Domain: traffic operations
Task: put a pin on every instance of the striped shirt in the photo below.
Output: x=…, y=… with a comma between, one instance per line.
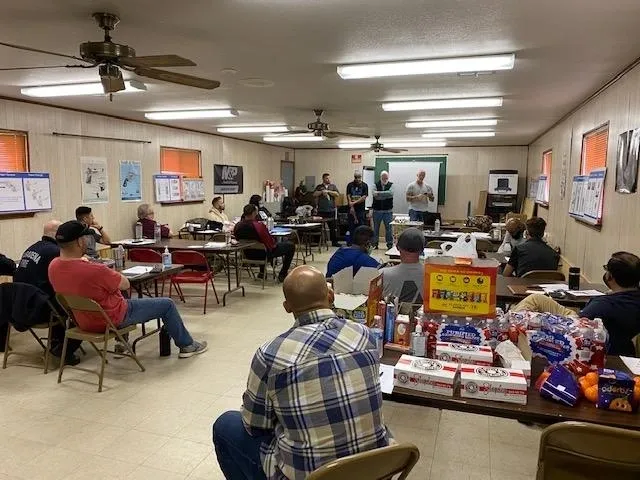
x=316, y=388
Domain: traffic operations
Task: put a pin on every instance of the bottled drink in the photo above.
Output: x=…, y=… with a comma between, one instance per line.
x=157, y=232
x=166, y=258
x=347, y=237
x=270, y=223
x=378, y=333
x=436, y=225
x=138, y=230
x=227, y=237
x=119, y=257
x=418, y=342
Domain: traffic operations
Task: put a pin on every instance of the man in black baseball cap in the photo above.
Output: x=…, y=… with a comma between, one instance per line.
x=71, y=274
x=406, y=280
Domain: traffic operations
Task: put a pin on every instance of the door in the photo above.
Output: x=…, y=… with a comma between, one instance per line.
x=287, y=172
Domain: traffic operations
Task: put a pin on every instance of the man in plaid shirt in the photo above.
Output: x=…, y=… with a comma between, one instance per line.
x=313, y=393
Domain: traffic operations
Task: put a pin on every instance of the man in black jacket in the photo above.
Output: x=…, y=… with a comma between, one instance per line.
x=383, y=209
x=7, y=267
x=33, y=268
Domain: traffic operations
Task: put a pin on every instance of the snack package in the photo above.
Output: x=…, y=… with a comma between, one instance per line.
x=402, y=330
x=425, y=375
x=561, y=386
x=511, y=357
x=460, y=333
x=463, y=353
x=616, y=391
x=493, y=383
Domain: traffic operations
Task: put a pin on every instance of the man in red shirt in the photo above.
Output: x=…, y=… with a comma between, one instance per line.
x=71, y=274
x=249, y=228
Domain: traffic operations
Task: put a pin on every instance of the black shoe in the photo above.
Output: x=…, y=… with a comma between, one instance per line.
x=260, y=275
x=72, y=359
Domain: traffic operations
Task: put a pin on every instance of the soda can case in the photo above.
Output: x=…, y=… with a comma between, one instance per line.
x=425, y=375
x=493, y=383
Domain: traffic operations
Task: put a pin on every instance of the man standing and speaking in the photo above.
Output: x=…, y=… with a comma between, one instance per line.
x=357, y=192
x=325, y=195
x=418, y=195
x=383, y=209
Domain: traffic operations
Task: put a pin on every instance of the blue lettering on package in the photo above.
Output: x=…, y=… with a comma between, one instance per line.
x=556, y=347
x=453, y=333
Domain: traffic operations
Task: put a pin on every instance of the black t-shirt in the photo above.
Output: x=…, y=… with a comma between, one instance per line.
x=620, y=313
x=356, y=192
x=33, y=267
x=534, y=254
x=7, y=266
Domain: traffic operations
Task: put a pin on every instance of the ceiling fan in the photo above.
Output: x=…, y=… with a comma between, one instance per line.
x=321, y=129
x=110, y=57
x=379, y=147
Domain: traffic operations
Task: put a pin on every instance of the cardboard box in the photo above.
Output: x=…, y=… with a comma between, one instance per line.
x=493, y=383
x=354, y=293
x=425, y=375
x=462, y=353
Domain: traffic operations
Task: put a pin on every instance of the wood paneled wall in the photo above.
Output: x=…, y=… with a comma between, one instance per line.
x=582, y=245
x=467, y=170
x=61, y=157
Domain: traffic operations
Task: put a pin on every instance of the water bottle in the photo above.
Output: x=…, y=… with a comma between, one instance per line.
x=436, y=225
x=138, y=231
x=119, y=257
x=165, y=342
x=270, y=223
x=347, y=237
x=227, y=237
x=166, y=258
x=157, y=232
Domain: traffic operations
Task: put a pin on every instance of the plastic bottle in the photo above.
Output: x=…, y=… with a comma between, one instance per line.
x=390, y=322
x=436, y=226
x=119, y=257
x=418, y=342
x=138, y=231
x=347, y=237
x=166, y=258
x=378, y=333
x=444, y=319
x=157, y=232
x=270, y=223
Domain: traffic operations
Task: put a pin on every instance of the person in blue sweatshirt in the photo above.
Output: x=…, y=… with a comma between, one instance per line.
x=356, y=256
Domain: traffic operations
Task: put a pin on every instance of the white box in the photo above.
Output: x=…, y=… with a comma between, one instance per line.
x=425, y=375
x=493, y=383
x=464, y=353
x=523, y=365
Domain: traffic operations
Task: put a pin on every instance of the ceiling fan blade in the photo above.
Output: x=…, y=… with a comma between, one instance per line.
x=157, y=61
x=179, y=78
x=394, y=150
x=52, y=66
x=294, y=132
x=345, y=134
x=37, y=50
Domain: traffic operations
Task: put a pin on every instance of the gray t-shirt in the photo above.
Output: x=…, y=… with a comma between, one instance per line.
x=326, y=203
x=404, y=281
x=91, y=241
x=415, y=189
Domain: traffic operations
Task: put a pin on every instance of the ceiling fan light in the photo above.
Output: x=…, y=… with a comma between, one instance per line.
x=442, y=104
x=485, y=122
x=424, y=67
x=77, y=89
x=192, y=114
x=292, y=138
x=458, y=134
x=255, y=129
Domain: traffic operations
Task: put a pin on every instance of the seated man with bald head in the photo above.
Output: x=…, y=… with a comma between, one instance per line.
x=313, y=393
x=33, y=268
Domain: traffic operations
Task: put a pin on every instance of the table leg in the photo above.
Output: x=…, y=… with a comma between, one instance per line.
x=237, y=287
x=146, y=333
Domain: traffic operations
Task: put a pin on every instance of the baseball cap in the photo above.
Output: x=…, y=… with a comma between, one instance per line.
x=411, y=240
x=70, y=231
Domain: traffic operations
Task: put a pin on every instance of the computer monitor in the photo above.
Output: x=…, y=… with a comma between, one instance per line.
x=430, y=219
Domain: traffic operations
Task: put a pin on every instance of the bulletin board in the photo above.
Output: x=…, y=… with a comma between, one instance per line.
x=587, y=197
x=382, y=163
x=24, y=192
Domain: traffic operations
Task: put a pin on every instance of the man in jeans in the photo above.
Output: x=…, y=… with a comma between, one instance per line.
x=72, y=274
x=325, y=195
x=383, y=209
x=418, y=195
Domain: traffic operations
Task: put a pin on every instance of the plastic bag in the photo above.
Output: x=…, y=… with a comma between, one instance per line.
x=464, y=247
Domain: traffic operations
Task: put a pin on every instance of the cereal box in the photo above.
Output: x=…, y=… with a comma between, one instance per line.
x=493, y=383
x=464, y=353
x=425, y=375
x=615, y=391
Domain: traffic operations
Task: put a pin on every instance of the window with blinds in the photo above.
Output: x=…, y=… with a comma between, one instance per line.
x=546, y=170
x=14, y=155
x=594, y=150
x=182, y=161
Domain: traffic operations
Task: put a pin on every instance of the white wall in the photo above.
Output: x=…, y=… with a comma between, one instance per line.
x=582, y=245
x=467, y=170
x=61, y=157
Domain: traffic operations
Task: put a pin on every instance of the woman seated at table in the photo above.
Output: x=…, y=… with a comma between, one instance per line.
x=514, y=236
x=619, y=309
x=146, y=217
x=263, y=213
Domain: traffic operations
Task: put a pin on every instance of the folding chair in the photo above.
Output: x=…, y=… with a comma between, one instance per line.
x=73, y=304
x=203, y=275
x=264, y=263
x=483, y=245
x=544, y=275
x=379, y=464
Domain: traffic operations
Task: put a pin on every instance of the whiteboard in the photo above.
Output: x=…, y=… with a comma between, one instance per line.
x=403, y=173
x=369, y=177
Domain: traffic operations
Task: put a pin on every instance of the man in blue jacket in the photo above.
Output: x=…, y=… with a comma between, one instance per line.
x=356, y=256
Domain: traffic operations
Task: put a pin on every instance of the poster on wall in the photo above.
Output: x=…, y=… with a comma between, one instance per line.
x=95, y=180
x=227, y=179
x=533, y=188
x=627, y=161
x=542, y=195
x=130, y=181
x=587, y=197
x=356, y=158
x=24, y=192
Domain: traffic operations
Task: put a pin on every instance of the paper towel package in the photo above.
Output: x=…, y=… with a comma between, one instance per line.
x=493, y=383
x=464, y=353
x=425, y=375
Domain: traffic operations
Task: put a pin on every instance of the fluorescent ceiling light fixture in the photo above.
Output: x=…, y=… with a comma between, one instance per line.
x=442, y=104
x=75, y=89
x=292, y=138
x=458, y=134
x=424, y=67
x=255, y=129
x=191, y=114
x=399, y=144
x=488, y=122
